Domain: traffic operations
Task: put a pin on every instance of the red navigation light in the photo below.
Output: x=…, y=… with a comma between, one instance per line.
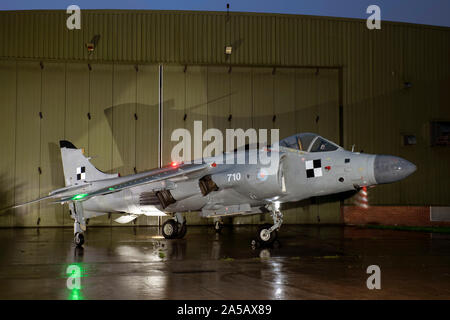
x=174, y=164
x=213, y=164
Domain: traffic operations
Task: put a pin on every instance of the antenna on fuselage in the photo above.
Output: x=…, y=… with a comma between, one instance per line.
x=353, y=148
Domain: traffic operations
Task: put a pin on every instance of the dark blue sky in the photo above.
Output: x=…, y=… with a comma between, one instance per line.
x=433, y=12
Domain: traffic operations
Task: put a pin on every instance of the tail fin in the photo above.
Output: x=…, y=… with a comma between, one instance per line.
x=78, y=168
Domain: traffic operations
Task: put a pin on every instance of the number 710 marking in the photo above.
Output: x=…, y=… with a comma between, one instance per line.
x=234, y=176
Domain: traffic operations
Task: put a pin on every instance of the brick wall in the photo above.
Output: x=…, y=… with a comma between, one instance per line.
x=390, y=215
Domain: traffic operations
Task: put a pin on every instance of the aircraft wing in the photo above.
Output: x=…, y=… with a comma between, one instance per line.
x=27, y=203
x=95, y=188
x=102, y=187
x=52, y=195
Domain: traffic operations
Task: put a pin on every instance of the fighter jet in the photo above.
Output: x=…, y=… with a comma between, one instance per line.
x=307, y=165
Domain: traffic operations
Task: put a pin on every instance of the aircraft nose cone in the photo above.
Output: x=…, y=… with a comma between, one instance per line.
x=389, y=169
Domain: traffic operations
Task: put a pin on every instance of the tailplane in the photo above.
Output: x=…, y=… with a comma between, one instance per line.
x=77, y=167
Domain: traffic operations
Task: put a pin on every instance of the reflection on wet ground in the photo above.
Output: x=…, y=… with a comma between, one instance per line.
x=308, y=262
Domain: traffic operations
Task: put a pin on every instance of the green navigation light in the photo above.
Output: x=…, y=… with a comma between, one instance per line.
x=79, y=196
x=111, y=189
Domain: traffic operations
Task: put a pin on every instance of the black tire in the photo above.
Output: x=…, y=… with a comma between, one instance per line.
x=263, y=238
x=169, y=229
x=182, y=229
x=78, y=239
x=218, y=226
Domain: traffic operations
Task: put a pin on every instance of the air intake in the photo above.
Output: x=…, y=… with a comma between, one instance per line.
x=165, y=198
x=207, y=185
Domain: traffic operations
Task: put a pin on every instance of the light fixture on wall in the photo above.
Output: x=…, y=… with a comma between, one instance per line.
x=229, y=47
x=90, y=46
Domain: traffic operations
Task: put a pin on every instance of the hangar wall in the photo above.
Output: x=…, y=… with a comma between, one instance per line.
x=371, y=69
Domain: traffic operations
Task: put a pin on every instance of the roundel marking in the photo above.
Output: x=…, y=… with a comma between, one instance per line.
x=262, y=175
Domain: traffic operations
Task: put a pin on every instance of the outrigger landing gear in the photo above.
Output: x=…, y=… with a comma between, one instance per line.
x=218, y=225
x=174, y=228
x=267, y=234
x=78, y=239
x=79, y=226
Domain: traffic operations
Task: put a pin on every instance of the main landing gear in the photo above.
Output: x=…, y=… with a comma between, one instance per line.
x=174, y=228
x=267, y=233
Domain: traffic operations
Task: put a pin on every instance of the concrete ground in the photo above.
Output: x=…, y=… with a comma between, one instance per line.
x=309, y=262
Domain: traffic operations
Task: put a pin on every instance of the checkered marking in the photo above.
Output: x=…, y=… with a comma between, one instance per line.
x=313, y=168
x=81, y=173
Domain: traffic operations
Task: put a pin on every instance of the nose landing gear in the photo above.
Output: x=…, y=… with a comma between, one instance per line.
x=264, y=235
x=267, y=233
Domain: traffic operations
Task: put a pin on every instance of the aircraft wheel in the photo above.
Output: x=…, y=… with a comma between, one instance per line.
x=169, y=229
x=264, y=237
x=218, y=226
x=78, y=239
x=182, y=229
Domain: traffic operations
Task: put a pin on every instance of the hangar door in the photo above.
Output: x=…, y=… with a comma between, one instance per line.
x=123, y=116
x=110, y=110
x=290, y=99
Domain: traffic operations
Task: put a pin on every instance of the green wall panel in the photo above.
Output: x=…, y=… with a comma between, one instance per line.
x=52, y=130
x=218, y=88
x=196, y=100
x=28, y=144
x=263, y=99
x=147, y=125
x=8, y=133
x=284, y=102
x=100, y=143
x=100, y=109
x=241, y=98
x=77, y=105
x=174, y=100
x=123, y=119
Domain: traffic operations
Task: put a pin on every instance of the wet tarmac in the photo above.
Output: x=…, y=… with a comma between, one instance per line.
x=308, y=262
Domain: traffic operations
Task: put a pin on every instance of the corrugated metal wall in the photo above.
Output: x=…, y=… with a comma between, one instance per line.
x=288, y=99
x=374, y=65
x=95, y=109
x=111, y=110
x=200, y=37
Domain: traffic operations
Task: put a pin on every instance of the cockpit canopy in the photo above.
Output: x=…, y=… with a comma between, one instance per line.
x=309, y=142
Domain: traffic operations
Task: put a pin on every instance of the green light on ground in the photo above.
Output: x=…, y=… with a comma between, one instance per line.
x=75, y=294
x=75, y=273
x=79, y=196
